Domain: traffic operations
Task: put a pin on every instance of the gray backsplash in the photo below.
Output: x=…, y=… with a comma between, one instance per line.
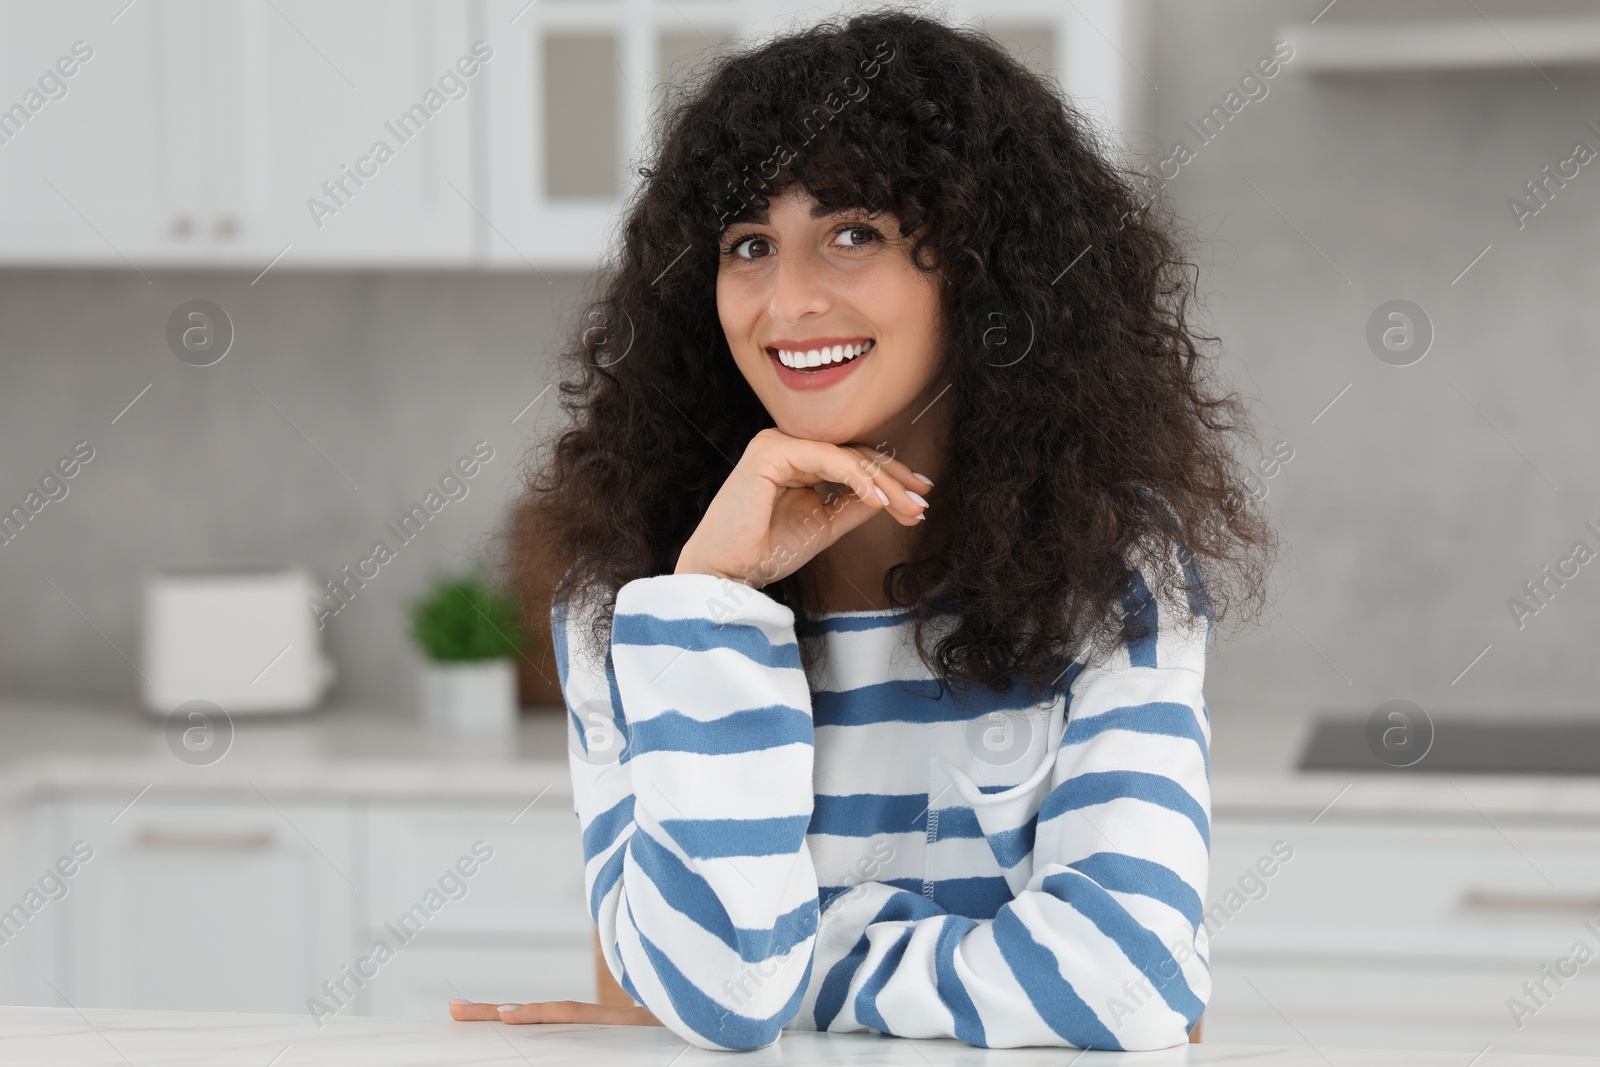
x=1414, y=506
x=343, y=401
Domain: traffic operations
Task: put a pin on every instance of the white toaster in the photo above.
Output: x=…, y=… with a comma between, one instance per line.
x=244, y=638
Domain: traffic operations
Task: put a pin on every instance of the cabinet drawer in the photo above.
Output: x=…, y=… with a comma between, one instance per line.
x=203, y=905
x=530, y=883
x=1399, y=1007
x=1413, y=889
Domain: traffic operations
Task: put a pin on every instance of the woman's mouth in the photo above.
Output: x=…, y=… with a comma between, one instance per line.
x=817, y=363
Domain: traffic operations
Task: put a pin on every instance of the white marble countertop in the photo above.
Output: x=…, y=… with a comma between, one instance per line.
x=345, y=751
x=66, y=1037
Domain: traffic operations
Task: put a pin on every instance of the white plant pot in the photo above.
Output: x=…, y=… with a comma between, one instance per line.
x=473, y=696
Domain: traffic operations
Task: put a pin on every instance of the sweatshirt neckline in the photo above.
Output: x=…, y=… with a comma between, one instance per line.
x=867, y=613
x=941, y=606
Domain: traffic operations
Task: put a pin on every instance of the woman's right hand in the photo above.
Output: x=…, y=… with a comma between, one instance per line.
x=769, y=518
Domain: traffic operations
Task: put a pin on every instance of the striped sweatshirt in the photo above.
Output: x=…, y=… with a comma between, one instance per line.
x=851, y=851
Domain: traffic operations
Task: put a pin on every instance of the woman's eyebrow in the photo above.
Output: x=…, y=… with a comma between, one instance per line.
x=762, y=216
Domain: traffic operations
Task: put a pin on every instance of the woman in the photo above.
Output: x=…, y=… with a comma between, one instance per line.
x=939, y=772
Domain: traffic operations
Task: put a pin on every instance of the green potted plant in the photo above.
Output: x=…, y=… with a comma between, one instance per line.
x=467, y=631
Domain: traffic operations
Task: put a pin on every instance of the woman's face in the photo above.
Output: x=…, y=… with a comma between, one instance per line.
x=795, y=288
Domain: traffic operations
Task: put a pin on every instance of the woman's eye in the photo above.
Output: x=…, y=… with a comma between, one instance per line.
x=735, y=247
x=860, y=235
x=856, y=236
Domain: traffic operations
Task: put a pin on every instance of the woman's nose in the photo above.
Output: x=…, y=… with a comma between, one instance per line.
x=797, y=291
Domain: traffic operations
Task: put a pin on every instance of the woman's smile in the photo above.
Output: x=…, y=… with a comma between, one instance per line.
x=818, y=362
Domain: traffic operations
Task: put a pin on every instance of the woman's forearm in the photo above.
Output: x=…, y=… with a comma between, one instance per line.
x=700, y=880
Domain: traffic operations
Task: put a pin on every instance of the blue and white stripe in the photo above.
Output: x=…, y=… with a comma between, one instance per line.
x=848, y=851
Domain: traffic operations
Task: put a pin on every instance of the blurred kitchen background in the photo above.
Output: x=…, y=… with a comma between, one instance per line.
x=1426, y=159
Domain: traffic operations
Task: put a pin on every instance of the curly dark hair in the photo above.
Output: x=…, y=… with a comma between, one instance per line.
x=1104, y=436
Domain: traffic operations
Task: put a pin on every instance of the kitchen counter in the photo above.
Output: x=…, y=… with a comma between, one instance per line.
x=416, y=791
x=65, y=1037
x=339, y=751
x=351, y=751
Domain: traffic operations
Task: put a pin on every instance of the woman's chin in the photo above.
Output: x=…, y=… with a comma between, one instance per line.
x=828, y=431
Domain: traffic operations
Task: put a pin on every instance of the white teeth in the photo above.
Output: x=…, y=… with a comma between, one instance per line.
x=818, y=357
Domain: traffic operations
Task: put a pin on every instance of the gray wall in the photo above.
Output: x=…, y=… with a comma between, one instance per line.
x=392, y=376
x=1413, y=508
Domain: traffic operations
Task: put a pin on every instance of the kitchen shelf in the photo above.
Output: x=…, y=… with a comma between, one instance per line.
x=1443, y=44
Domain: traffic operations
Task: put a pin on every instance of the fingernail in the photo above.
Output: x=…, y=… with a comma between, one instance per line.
x=458, y=1000
x=920, y=502
x=923, y=517
x=925, y=478
x=881, y=494
x=508, y=1007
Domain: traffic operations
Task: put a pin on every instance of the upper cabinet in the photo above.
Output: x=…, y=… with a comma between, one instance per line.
x=358, y=122
x=390, y=133
x=239, y=134
x=576, y=83
x=85, y=147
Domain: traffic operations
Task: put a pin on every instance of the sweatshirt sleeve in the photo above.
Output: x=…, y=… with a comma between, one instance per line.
x=1103, y=946
x=691, y=757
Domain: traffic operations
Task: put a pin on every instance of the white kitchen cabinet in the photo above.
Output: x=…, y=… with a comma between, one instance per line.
x=89, y=154
x=516, y=927
x=356, y=132
x=233, y=903
x=574, y=71
x=25, y=934
x=568, y=107
x=246, y=134
x=145, y=159
x=1403, y=932
x=1395, y=1003
x=532, y=884
x=203, y=904
x=201, y=134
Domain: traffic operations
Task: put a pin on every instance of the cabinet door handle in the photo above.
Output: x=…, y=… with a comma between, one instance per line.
x=170, y=840
x=1491, y=900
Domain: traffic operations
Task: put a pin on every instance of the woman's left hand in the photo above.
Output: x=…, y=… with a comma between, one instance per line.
x=553, y=1011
